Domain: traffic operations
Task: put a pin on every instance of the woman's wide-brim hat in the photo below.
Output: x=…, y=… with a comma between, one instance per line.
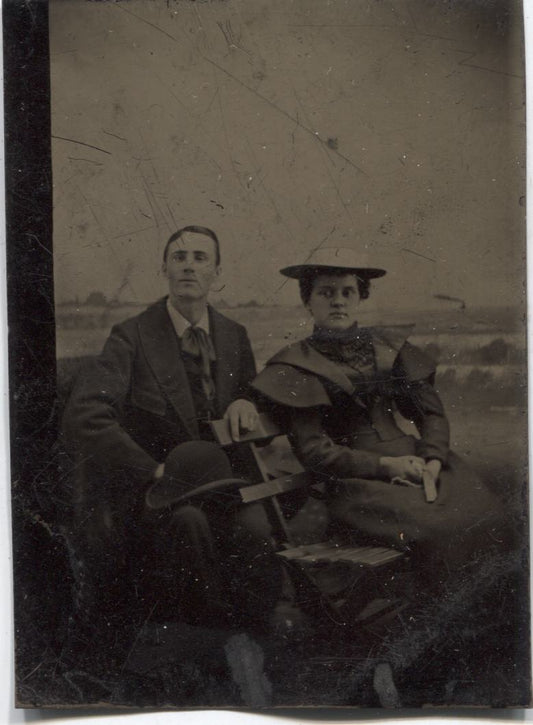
x=334, y=259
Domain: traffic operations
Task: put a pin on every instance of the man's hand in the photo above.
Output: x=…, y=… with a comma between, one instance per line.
x=242, y=415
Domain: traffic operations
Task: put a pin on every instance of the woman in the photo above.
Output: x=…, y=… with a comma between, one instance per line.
x=339, y=393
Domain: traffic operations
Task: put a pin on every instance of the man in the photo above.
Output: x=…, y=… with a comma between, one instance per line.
x=137, y=426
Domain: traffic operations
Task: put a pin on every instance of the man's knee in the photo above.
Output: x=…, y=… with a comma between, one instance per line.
x=252, y=519
x=188, y=516
x=189, y=520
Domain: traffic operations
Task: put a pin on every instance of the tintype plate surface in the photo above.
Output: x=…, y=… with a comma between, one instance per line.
x=394, y=130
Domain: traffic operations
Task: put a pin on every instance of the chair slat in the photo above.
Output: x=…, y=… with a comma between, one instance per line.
x=258, y=491
x=332, y=553
x=371, y=556
x=299, y=552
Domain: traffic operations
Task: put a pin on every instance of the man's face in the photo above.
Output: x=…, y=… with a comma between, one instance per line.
x=334, y=301
x=190, y=267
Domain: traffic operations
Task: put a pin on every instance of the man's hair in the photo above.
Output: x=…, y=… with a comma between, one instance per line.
x=308, y=280
x=196, y=230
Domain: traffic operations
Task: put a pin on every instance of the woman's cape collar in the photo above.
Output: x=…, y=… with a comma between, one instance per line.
x=387, y=343
x=293, y=376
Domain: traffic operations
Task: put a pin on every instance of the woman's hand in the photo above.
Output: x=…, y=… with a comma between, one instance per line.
x=406, y=467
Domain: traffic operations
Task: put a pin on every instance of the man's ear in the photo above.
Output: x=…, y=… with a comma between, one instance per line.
x=218, y=271
x=164, y=269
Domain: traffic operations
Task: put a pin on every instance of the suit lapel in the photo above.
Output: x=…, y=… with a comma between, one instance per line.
x=161, y=348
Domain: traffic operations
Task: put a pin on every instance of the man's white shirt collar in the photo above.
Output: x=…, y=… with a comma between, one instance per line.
x=181, y=324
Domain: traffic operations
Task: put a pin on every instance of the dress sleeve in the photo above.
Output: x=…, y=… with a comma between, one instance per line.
x=317, y=452
x=419, y=401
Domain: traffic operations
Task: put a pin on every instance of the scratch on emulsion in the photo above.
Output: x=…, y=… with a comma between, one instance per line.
x=82, y=143
x=417, y=254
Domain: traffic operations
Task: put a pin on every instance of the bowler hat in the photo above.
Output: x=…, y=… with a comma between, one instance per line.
x=193, y=469
x=327, y=259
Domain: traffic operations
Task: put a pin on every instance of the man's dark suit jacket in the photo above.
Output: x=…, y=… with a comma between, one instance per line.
x=132, y=405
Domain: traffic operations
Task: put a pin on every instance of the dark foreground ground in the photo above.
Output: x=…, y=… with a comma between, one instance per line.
x=453, y=657
x=464, y=650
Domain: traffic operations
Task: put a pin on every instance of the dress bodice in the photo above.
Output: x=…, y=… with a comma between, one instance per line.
x=342, y=391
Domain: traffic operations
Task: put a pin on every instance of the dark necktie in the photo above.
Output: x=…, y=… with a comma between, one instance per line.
x=197, y=343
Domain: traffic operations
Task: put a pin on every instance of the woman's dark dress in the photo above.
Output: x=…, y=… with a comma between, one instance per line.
x=340, y=395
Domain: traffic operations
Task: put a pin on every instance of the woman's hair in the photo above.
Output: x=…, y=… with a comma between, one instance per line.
x=308, y=280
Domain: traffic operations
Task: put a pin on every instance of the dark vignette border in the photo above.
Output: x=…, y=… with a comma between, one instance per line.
x=30, y=307
x=29, y=224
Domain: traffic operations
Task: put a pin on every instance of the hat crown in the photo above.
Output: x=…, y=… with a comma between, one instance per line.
x=338, y=256
x=335, y=258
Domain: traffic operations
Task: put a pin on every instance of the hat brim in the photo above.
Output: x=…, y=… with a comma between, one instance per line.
x=298, y=271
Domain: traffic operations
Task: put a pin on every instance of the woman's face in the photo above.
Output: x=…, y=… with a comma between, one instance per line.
x=334, y=301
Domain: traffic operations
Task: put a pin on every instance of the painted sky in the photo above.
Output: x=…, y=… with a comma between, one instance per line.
x=395, y=127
